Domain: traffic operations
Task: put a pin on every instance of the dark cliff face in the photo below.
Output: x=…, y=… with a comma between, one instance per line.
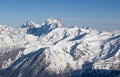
x=9, y=55
x=12, y=54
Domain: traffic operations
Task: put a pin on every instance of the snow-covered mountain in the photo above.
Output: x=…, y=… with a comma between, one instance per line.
x=54, y=50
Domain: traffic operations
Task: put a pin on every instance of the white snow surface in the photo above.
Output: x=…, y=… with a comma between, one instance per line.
x=64, y=45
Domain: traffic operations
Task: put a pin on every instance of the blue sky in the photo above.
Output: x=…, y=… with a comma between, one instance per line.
x=99, y=14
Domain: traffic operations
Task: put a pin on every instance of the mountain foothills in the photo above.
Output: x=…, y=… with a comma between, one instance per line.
x=52, y=49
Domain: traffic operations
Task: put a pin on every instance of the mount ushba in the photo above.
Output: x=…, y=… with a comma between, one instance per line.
x=54, y=50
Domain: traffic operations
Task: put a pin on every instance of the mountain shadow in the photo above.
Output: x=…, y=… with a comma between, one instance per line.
x=78, y=37
x=23, y=64
x=88, y=71
x=39, y=31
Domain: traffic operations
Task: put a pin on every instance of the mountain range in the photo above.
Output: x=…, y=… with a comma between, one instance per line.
x=52, y=49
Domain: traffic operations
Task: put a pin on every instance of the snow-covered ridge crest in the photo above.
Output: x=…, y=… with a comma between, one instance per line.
x=30, y=24
x=50, y=21
x=56, y=21
x=44, y=28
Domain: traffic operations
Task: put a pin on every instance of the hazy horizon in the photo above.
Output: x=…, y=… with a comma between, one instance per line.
x=101, y=15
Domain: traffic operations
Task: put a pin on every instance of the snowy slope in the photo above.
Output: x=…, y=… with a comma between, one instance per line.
x=55, y=49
